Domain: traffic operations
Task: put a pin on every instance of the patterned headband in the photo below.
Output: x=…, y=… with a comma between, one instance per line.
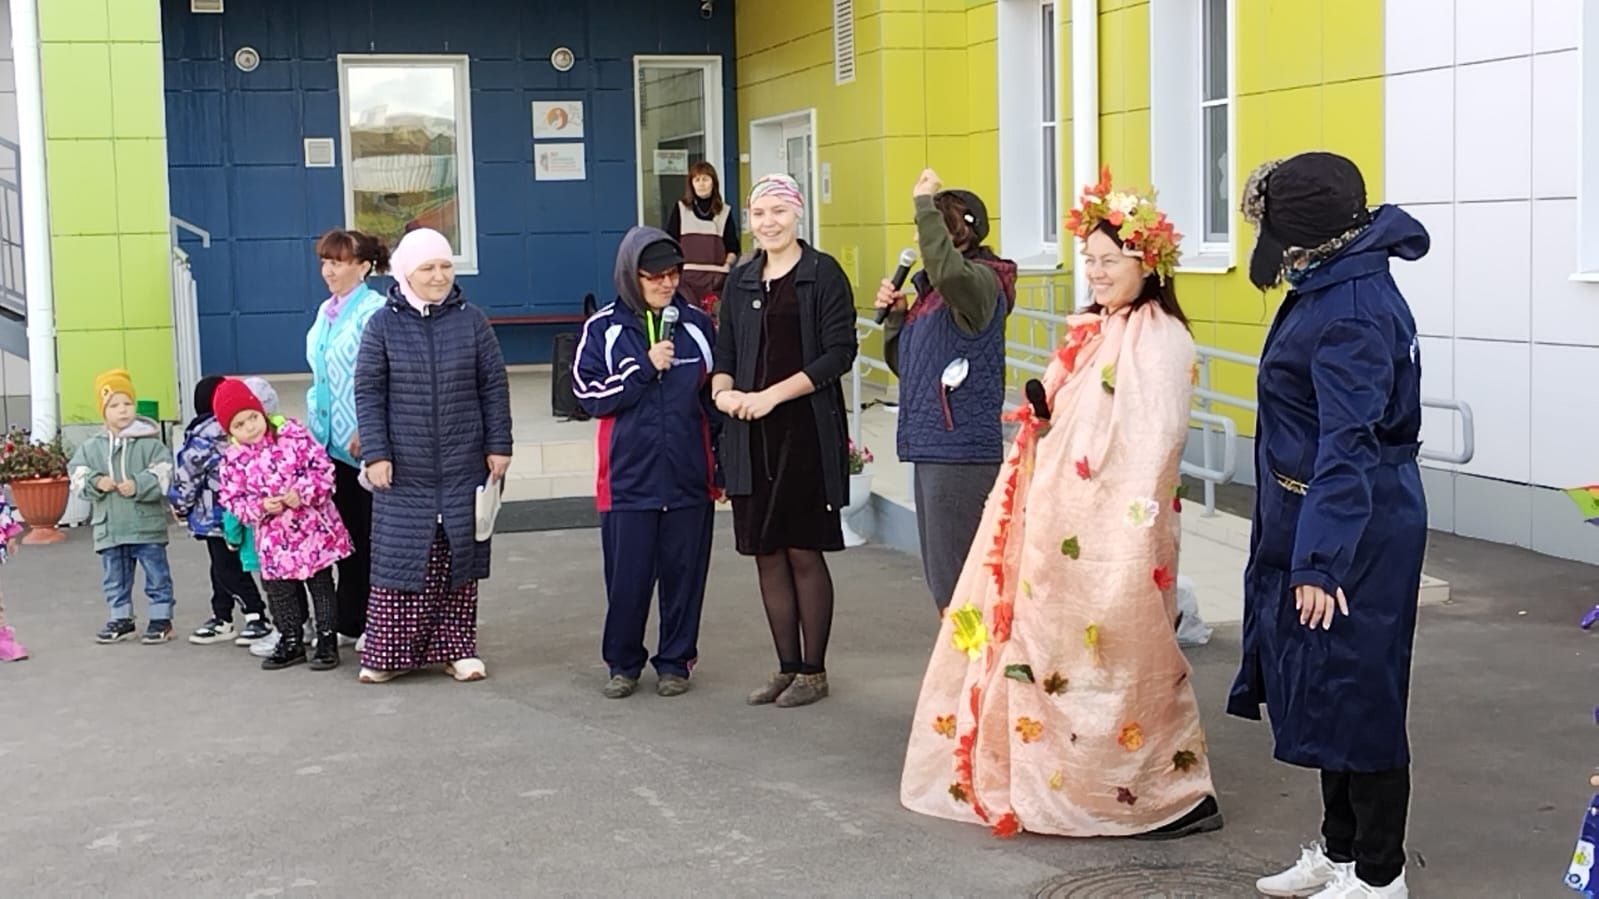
x=780, y=186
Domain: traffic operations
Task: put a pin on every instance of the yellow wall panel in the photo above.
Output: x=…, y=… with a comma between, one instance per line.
x=1346, y=128
x=945, y=30
x=944, y=91
x=1352, y=48
x=1249, y=50
x=1293, y=43
x=1131, y=59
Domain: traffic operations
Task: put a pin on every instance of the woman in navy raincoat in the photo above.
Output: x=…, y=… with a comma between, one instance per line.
x=1340, y=523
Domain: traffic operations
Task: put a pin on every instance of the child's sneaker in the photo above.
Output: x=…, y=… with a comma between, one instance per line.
x=10, y=649
x=255, y=627
x=215, y=630
x=290, y=651
x=115, y=630
x=264, y=647
x=158, y=631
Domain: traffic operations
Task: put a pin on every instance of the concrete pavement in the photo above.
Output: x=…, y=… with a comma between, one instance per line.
x=180, y=770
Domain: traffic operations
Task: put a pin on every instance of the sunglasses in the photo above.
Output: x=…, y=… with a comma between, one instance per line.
x=671, y=274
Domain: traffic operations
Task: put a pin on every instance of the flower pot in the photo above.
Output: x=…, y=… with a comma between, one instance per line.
x=860, y=494
x=42, y=502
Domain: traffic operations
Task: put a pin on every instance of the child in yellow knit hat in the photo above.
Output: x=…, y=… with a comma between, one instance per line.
x=125, y=472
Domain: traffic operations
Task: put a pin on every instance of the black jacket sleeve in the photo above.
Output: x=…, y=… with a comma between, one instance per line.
x=835, y=309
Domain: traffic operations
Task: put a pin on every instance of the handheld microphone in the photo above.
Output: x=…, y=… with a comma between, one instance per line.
x=907, y=258
x=668, y=321
x=1035, y=396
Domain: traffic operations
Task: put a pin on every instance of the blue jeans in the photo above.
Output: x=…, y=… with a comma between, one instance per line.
x=118, y=563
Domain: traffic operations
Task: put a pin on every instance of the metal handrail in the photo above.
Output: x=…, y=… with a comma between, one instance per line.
x=178, y=224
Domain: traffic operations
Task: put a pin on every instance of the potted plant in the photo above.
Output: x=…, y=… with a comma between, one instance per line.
x=860, y=489
x=37, y=474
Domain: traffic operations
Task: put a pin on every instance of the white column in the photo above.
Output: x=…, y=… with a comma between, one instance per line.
x=35, y=219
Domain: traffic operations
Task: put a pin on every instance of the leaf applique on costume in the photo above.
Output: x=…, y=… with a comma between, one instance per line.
x=1057, y=780
x=1027, y=589
x=1007, y=826
x=1004, y=618
x=1107, y=378
x=1074, y=738
x=1023, y=673
x=969, y=634
x=1164, y=579
x=1177, y=496
x=958, y=793
x=1091, y=639
x=1183, y=760
x=1055, y=684
x=1083, y=470
x=1132, y=737
x=1141, y=512
x=1031, y=731
x=1070, y=548
x=1125, y=796
x=944, y=726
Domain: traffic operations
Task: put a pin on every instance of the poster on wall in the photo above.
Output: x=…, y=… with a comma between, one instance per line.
x=559, y=162
x=671, y=162
x=557, y=119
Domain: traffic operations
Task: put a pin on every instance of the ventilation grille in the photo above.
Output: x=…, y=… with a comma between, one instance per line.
x=843, y=41
x=214, y=6
x=319, y=152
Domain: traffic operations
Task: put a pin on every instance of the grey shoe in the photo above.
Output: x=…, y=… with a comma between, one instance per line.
x=775, y=685
x=806, y=689
x=671, y=685
x=620, y=686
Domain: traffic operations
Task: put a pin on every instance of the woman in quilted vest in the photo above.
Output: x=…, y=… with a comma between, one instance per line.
x=434, y=407
x=964, y=294
x=349, y=258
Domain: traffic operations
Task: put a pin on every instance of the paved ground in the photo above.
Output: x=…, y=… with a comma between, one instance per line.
x=186, y=771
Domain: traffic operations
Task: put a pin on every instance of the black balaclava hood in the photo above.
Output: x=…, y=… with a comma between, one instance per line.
x=1301, y=202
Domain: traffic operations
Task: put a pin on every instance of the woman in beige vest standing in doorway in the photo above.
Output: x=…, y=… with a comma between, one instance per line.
x=704, y=227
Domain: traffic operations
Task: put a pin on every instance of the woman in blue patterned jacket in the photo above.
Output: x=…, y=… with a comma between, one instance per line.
x=434, y=406
x=349, y=258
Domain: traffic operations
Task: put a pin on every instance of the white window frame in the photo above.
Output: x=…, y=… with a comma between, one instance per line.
x=466, y=260
x=711, y=70
x=1588, y=147
x=1023, y=169
x=1177, y=132
x=1049, y=32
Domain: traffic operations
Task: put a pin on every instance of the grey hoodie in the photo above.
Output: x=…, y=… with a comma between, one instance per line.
x=627, y=254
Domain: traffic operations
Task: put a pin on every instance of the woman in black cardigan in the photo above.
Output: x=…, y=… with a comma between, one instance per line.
x=787, y=336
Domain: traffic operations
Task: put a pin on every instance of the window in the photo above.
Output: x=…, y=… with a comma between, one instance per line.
x=1048, y=79
x=1029, y=132
x=1588, y=147
x=408, y=148
x=1191, y=125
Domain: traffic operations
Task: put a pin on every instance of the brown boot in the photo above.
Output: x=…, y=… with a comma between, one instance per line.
x=806, y=689
x=775, y=685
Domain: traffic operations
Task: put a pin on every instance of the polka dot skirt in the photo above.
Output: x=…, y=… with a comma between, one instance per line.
x=413, y=630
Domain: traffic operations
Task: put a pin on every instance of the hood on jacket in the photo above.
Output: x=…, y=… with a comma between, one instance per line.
x=1393, y=232
x=141, y=427
x=627, y=255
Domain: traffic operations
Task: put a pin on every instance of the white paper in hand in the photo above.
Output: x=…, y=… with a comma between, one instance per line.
x=488, y=508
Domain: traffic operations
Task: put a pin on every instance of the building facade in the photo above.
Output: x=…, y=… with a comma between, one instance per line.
x=535, y=132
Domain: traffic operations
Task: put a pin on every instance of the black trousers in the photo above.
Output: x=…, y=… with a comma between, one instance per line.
x=355, y=572
x=230, y=583
x=1364, y=821
x=288, y=603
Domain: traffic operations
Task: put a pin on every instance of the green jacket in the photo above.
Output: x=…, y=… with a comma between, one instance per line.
x=970, y=289
x=240, y=539
x=139, y=455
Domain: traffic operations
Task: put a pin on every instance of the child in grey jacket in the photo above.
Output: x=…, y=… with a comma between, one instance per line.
x=125, y=473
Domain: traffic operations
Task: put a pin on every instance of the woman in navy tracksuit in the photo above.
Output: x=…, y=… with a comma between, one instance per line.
x=655, y=488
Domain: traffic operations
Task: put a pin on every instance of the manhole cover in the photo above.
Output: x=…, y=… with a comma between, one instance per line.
x=1145, y=882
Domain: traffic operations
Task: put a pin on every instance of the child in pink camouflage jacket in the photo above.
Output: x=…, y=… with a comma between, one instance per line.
x=277, y=479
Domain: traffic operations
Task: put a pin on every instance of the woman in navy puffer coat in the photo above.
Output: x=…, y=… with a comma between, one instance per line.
x=434, y=410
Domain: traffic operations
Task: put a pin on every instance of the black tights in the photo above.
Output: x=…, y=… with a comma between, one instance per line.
x=797, y=589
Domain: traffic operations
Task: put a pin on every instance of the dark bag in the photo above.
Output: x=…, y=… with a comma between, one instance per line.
x=563, y=402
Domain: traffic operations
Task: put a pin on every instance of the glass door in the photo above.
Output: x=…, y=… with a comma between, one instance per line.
x=679, y=108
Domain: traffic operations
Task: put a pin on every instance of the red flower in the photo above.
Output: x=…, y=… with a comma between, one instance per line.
x=1082, y=468
x=1164, y=578
x=1004, y=617
x=1116, y=218
x=1007, y=826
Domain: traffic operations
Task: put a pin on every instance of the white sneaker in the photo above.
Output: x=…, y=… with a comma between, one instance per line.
x=264, y=647
x=1348, y=886
x=466, y=670
x=1311, y=873
x=356, y=643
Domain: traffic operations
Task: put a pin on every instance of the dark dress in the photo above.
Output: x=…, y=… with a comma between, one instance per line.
x=787, y=507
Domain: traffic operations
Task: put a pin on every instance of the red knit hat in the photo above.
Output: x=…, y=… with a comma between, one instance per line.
x=232, y=397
